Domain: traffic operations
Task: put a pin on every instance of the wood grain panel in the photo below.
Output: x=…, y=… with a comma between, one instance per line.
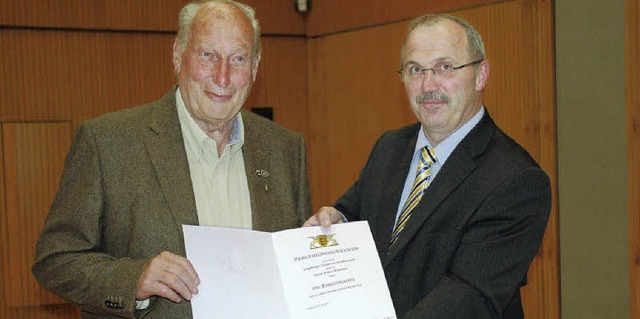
x=33, y=159
x=355, y=95
x=548, y=159
x=276, y=16
x=524, y=48
x=351, y=15
x=632, y=57
x=56, y=75
x=33, y=68
x=130, y=69
x=94, y=14
x=62, y=311
x=282, y=81
x=84, y=74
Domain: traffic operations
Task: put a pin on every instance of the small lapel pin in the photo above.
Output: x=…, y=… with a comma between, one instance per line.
x=263, y=173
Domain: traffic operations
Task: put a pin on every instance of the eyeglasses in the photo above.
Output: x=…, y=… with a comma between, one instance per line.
x=413, y=72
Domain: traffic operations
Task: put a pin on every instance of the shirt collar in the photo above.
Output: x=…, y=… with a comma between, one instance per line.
x=446, y=147
x=197, y=141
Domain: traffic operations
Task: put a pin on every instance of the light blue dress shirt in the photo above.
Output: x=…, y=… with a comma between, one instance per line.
x=443, y=150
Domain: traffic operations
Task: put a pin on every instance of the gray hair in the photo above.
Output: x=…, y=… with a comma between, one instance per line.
x=474, y=40
x=189, y=11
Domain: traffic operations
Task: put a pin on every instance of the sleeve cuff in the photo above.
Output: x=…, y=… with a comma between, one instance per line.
x=142, y=304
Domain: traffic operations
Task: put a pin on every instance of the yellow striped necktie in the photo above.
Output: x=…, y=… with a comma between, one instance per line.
x=423, y=178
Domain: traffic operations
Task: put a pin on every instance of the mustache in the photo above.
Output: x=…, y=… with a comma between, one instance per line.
x=432, y=96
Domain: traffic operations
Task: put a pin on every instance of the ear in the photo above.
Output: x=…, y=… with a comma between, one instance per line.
x=256, y=62
x=177, y=56
x=482, y=75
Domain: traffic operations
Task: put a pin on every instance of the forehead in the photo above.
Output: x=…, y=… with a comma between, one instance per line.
x=222, y=24
x=443, y=40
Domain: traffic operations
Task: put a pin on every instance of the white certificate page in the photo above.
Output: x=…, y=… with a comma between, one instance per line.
x=302, y=273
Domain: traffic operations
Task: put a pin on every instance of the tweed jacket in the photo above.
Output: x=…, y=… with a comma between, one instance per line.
x=126, y=191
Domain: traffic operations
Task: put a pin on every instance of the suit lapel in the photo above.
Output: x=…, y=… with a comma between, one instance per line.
x=165, y=147
x=460, y=164
x=257, y=165
x=383, y=221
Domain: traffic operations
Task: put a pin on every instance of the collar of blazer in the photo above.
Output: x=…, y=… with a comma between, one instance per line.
x=258, y=165
x=460, y=164
x=165, y=147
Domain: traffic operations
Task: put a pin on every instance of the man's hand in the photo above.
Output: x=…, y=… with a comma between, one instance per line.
x=325, y=217
x=169, y=276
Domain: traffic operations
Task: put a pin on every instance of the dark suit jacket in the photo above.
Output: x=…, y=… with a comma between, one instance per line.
x=470, y=240
x=126, y=192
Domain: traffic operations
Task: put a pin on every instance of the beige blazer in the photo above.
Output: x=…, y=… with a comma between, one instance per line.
x=126, y=192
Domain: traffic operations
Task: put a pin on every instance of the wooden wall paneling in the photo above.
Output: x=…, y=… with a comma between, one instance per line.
x=276, y=16
x=96, y=14
x=4, y=260
x=355, y=95
x=352, y=15
x=7, y=310
x=548, y=158
x=282, y=81
x=33, y=160
x=55, y=75
x=35, y=68
x=518, y=37
x=134, y=69
x=632, y=58
x=317, y=141
x=508, y=31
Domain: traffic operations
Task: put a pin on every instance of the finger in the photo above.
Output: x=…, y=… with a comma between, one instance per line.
x=312, y=221
x=336, y=217
x=325, y=218
x=151, y=283
x=166, y=272
x=176, y=284
x=161, y=290
x=187, y=270
x=183, y=270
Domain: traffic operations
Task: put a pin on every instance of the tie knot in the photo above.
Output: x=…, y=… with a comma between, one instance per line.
x=428, y=156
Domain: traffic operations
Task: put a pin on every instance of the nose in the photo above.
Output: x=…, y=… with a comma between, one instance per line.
x=221, y=74
x=429, y=81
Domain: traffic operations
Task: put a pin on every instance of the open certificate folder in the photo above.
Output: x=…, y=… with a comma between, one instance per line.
x=299, y=273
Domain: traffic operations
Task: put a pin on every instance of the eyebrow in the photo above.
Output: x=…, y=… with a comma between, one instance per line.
x=410, y=62
x=242, y=49
x=438, y=60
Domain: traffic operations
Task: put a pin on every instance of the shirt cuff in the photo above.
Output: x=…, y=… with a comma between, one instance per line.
x=142, y=304
x=344, y=219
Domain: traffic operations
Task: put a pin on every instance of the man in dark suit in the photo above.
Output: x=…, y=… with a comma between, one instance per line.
x=113, y=241
x=457, y=209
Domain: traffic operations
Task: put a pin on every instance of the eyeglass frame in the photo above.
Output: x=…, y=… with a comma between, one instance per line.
x=433, y=69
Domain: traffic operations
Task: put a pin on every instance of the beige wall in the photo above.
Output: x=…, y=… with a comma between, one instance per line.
x=590, y=77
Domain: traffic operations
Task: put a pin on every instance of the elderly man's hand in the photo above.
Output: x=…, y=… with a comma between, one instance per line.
x=168, y=276
x=325, y=217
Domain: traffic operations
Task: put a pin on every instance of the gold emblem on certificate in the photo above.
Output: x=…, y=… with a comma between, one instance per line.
x=323, y=241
